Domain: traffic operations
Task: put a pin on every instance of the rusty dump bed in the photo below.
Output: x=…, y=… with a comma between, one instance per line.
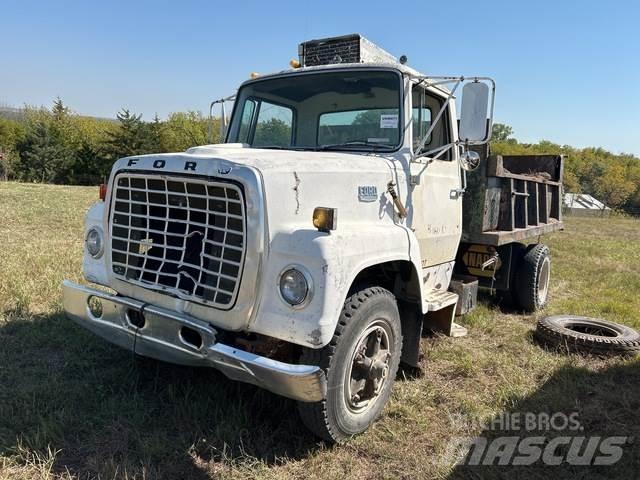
x=511, y=198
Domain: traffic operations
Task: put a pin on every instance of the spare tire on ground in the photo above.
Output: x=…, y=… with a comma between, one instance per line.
x=573, y=333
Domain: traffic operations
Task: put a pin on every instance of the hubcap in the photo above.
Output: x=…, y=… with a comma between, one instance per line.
x=543, y=280
x=369, y=368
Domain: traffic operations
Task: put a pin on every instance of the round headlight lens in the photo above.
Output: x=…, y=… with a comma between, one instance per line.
x=294, y=287
x=94, y=242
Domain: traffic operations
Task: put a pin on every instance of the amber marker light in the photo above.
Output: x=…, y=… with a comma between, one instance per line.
x=325, y=219
x=103, y=191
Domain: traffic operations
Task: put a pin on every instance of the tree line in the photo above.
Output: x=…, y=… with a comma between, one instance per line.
x=612, y=178
x=59, y=146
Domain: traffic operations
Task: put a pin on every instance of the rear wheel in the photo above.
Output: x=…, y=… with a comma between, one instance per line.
x=531, y=282
x=360, y=362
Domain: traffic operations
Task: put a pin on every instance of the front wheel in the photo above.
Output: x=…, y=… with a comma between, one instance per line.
x=360, y=362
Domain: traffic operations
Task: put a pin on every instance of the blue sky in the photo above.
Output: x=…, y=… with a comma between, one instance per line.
x=567, y=71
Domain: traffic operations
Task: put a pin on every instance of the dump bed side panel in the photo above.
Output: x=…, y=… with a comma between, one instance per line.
x=511, y=198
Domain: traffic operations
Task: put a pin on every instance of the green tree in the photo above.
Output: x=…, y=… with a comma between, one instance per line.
x=273, y=132
x=11, y=134
x=613, y=187
x=130, y=139
x=60, y=111
x=183, y=130
x=501, y=132
x=42, y=158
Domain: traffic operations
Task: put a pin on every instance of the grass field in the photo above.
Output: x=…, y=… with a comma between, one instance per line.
x=73, y=406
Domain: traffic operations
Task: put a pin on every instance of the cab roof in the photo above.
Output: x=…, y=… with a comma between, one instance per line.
x=402, y=69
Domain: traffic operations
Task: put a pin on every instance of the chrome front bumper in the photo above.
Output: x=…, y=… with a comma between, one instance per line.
x=163, y=337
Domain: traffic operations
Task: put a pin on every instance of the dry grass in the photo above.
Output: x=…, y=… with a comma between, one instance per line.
x=72, y=406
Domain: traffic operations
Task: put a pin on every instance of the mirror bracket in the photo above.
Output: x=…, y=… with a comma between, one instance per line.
x=457, y=81
x=223, y=117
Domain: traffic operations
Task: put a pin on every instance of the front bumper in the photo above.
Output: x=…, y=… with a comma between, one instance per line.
x=168, y=336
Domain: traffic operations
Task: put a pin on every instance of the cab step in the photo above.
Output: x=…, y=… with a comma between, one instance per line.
x=438, y=299
x=441, y=309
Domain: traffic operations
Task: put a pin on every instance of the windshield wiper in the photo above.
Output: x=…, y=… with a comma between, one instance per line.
x=279, y=147
x=356, y=143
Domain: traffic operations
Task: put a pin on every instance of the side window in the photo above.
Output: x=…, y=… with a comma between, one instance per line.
x=274, y=126
x=421, y=117
x=245, y=121
x=425, y=107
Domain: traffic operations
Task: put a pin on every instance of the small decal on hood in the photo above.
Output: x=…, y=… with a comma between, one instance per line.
x=224, y=168
x=367, y=193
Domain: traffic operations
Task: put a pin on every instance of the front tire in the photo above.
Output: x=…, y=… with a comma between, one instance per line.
x=360, y=362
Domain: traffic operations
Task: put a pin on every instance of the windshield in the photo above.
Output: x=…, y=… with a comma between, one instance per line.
x=347, y=110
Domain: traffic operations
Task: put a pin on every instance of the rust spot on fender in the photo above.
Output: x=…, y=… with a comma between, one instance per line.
x=315, y=337
x=297, y=192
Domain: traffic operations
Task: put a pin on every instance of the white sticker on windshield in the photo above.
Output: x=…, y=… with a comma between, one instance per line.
x=389, y=121
x=377, y=140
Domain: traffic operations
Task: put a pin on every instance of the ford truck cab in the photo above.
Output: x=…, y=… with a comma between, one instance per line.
x=306, y=253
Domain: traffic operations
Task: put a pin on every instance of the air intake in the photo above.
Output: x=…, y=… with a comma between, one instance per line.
x=346, y=49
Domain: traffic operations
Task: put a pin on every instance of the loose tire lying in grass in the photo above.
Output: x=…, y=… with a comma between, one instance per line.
x=587, y=335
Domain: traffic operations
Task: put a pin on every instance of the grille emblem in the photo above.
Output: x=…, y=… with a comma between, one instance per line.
x=224, y=169
x=146, y=244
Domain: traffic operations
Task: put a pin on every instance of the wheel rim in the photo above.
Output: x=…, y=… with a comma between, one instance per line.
x=592, y=329
x=543, y=281
x=369, y=367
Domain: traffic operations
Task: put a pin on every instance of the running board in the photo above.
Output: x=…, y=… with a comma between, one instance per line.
x=435, y=300
x=440, y=306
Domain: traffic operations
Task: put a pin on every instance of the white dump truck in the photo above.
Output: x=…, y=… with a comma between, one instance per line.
x=348, y=209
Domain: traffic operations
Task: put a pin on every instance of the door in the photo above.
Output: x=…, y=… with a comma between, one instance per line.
x=437, y=204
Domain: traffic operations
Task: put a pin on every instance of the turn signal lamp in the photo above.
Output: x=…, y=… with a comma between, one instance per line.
x=325, y=219
x=103, y=191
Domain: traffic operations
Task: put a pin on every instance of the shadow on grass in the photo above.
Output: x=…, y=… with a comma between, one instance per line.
x=605, y=403
x=107, y=412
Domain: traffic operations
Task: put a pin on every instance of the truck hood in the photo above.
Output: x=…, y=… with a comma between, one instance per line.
x=273, y=160
x=293, y=182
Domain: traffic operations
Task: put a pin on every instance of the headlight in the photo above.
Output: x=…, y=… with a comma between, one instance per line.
x=294, y=286
x=94, y=242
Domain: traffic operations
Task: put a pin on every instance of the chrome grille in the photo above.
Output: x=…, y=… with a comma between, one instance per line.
x=180, y=235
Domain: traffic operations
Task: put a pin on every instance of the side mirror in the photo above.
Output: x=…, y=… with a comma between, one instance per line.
x=469, y=160
x=473, y=113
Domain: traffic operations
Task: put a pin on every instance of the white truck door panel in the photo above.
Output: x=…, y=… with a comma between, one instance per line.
x=437, y=211
x=436, y=214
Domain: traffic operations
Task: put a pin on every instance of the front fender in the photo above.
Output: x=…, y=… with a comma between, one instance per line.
x=95, y=270
x=333, y=260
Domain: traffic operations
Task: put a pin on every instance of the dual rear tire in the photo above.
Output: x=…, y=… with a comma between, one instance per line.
x=530, y=286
